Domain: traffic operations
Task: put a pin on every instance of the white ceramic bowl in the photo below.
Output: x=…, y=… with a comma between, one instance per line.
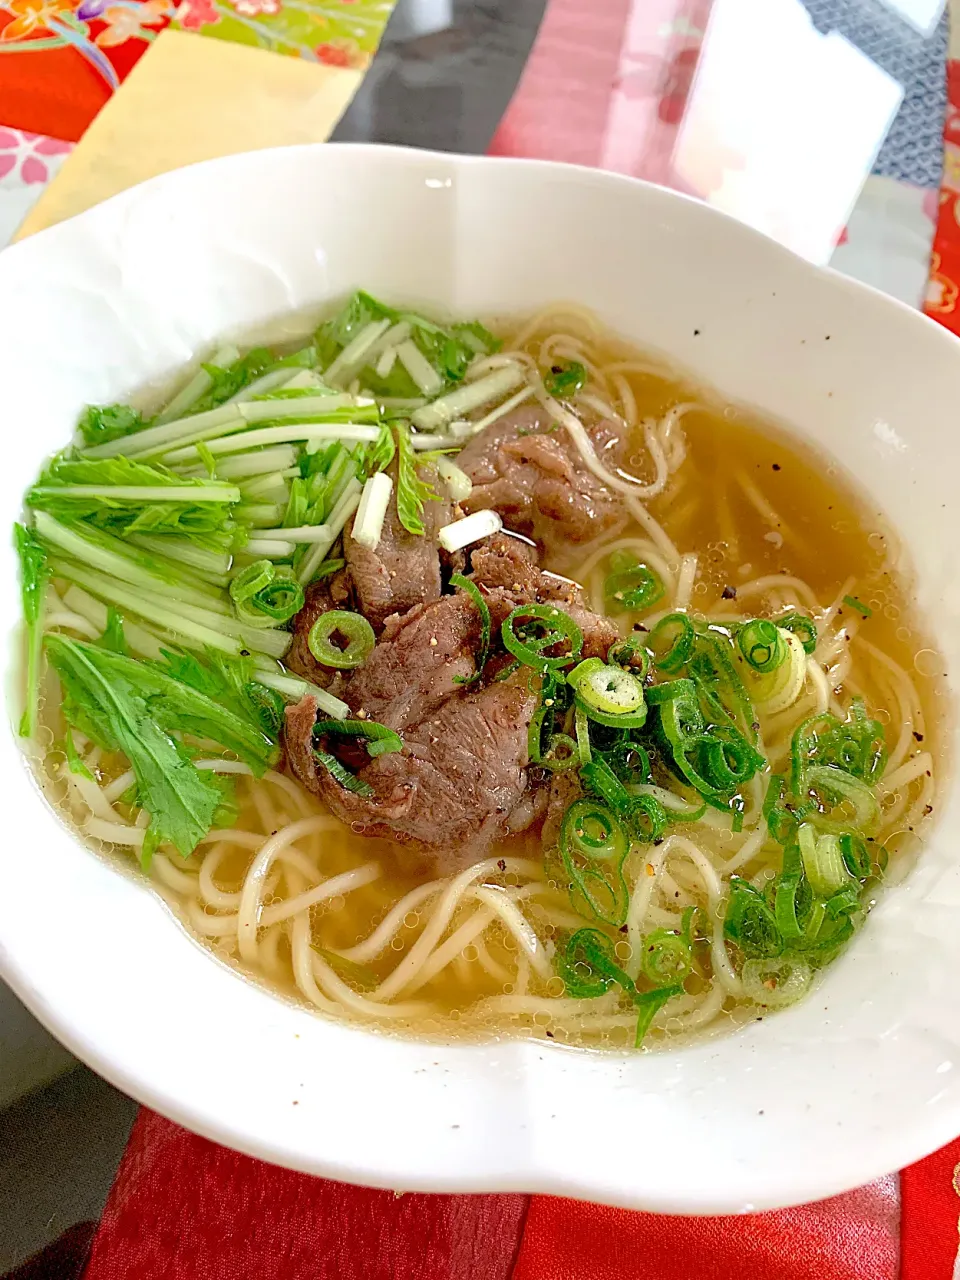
x=861, y=1078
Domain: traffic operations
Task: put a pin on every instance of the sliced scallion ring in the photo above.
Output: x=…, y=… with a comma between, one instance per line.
x=671, y=642
x=533, y=630
x=761, y=645
x=353, y=627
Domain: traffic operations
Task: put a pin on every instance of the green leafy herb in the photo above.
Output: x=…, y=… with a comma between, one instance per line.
x=104, y=698
x=564, y=381
x=477, y=337
x=113, y=637
x=412, y=492
x=228, y=683
x=74, y=763
x=376, y=456
x=100, y=492
x=358, y=312
x=207, y=458
x=226, y=382
x=33, y=584
x=99, y=424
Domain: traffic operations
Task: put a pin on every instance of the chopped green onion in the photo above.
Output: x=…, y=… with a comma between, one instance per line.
x=631, y=654
x=762, y=646
x=582, y=729
x=650, y=1004
x=355, y=629
x=598, y=777
x=786, y=903
x=473, y=591
x=648, y=819
x=593, y=845
x=749, y=923
x=341, y=774
x=593, y=832
x=665, y=957
x=857, y=858
x=802, y=627
x=671, y=642
x=781, y=820
x=609, y=694
x=631, y=586
x=380, y=740
x=588, y=965
x=844, y=787
x=864, y=610
x=266, y=595
x=530, y=631
x=775, y=983
x=823, y=860
x=561, y=753
x=855, y=745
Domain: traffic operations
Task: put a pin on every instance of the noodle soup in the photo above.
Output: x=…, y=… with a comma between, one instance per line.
x=700, y=648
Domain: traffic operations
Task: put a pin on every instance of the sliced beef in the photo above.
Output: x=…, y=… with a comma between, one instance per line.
x=422, y=659
x=528, y=469
x=506, y=569
x=461, y=782
x=404, y=570
x=451, y=793
x=562, y=790
x=298, y=741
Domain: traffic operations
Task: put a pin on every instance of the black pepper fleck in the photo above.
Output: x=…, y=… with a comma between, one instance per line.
x=696, y=333
x=776, y=466
x=729, y=593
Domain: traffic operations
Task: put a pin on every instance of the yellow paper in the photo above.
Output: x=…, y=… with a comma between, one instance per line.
x=190, y=99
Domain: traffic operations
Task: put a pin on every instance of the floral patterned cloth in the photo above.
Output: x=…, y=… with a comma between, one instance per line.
x=339, y=33
x=61, y=59
x=27, y=163
x=943, y=290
